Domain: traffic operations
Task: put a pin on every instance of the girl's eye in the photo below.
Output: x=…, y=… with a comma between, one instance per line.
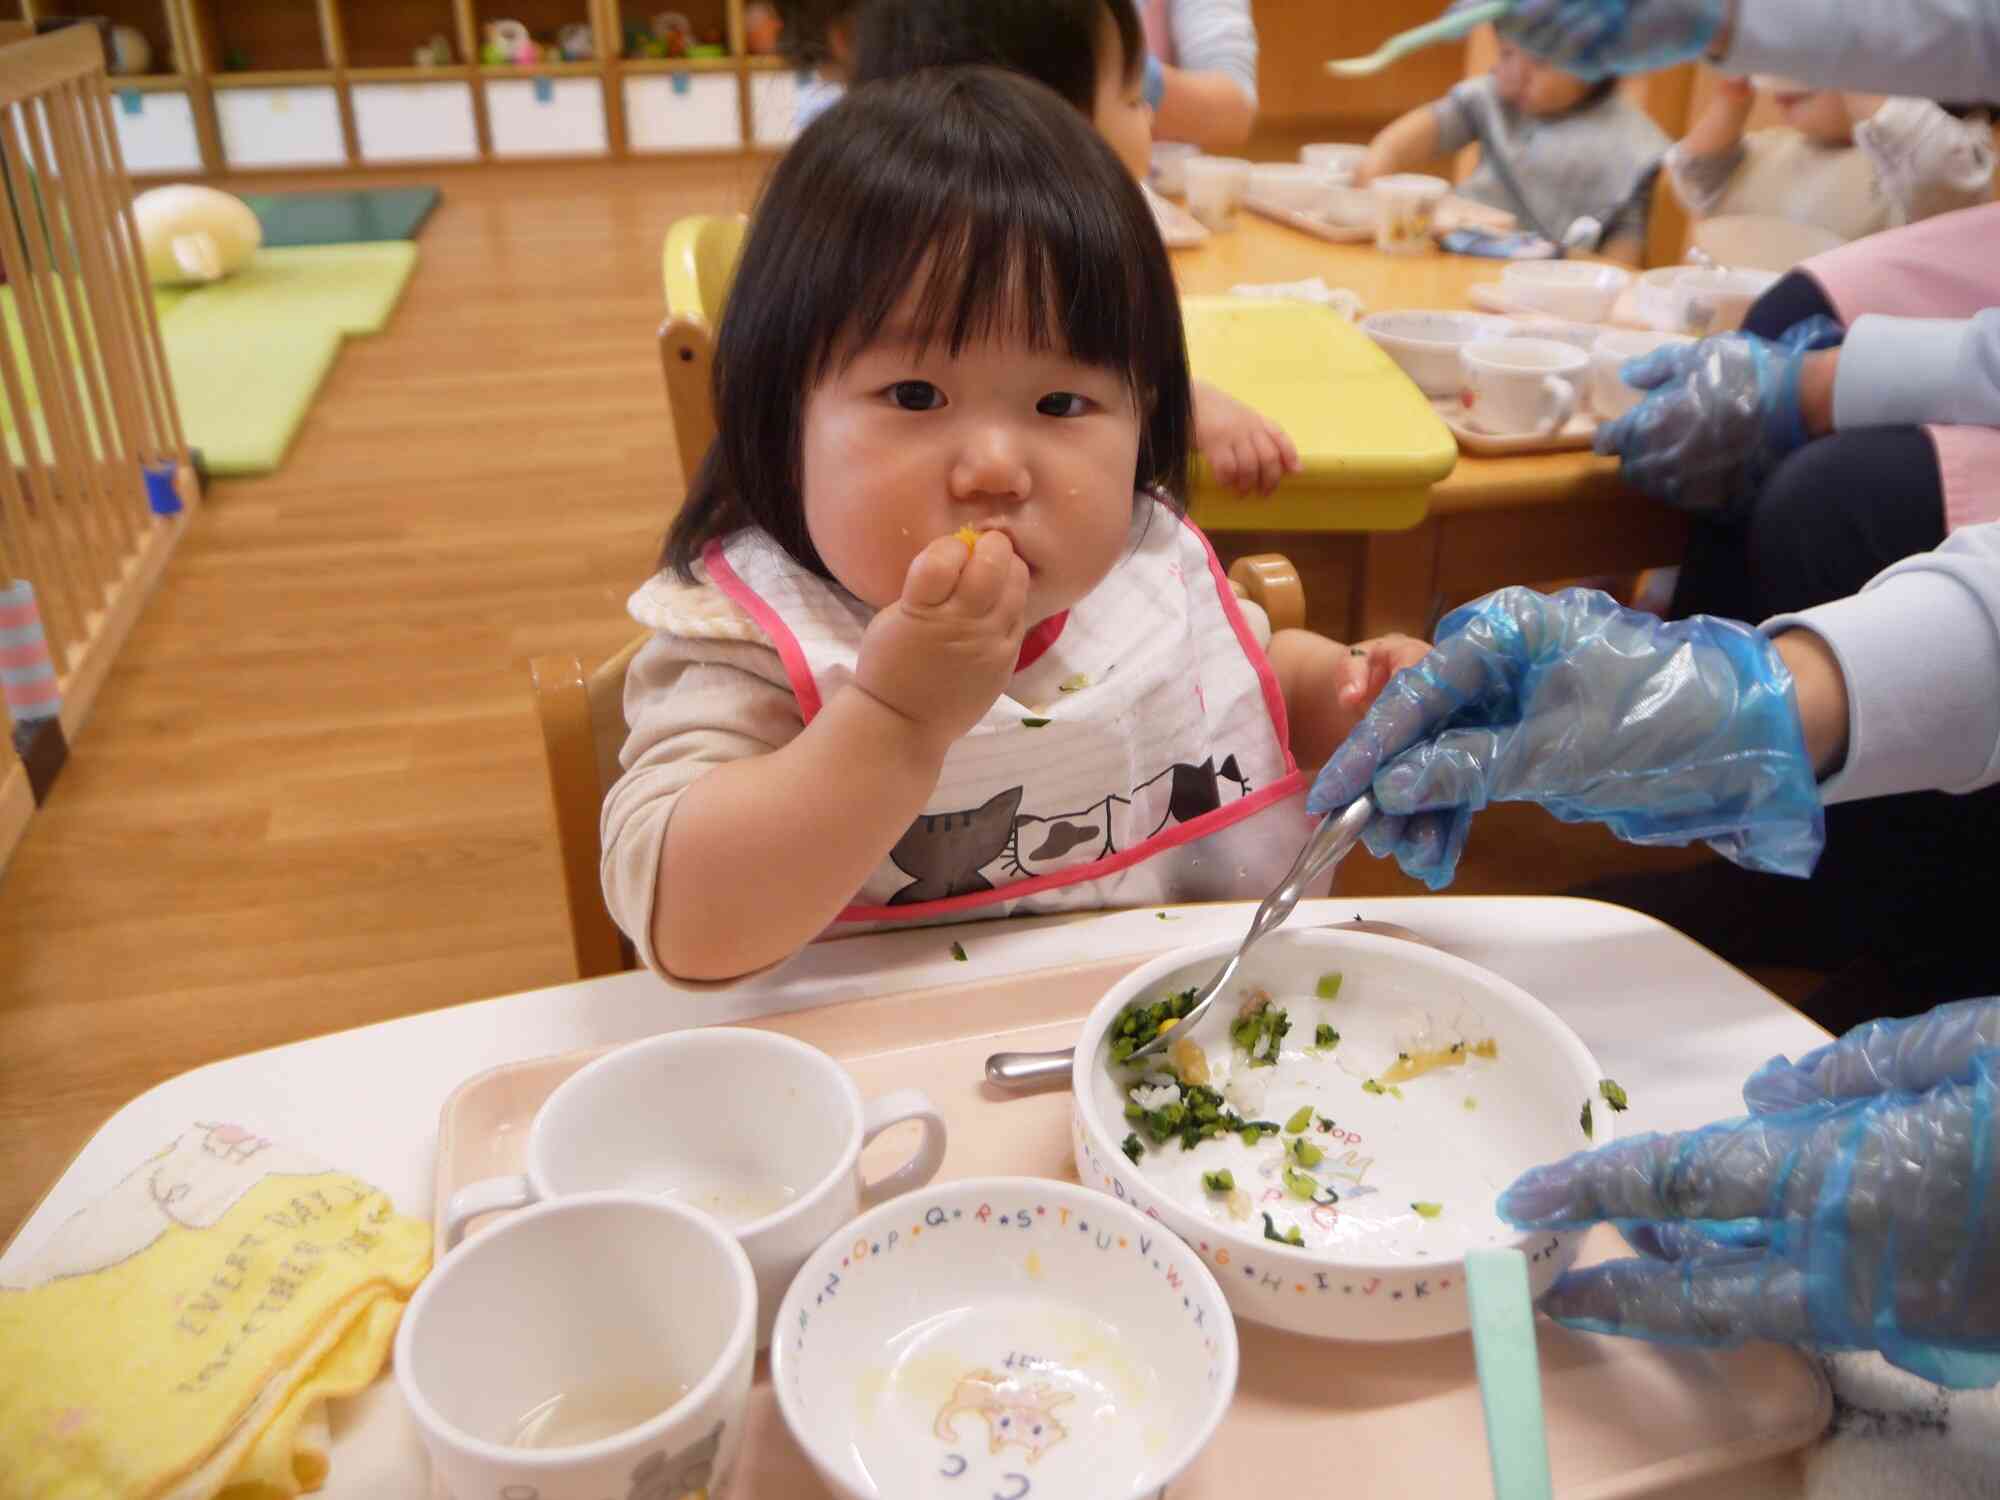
x=916, y=395
x=1063, y=404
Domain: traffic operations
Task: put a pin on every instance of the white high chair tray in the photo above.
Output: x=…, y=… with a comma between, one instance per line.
x=1678, y=1027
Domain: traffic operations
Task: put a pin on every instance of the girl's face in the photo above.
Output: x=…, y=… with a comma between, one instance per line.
x=902, y=446
x=1120, y=111
x=1532, y=86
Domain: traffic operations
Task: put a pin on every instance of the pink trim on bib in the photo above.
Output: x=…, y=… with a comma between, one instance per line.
x=782, y=640
x=1159, y=843
x=1267, y=676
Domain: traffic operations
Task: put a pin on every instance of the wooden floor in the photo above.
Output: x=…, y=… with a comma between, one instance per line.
x=310, y=796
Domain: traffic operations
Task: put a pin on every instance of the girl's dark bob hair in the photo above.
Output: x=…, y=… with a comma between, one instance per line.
x=1056, y=42
x=981, y=204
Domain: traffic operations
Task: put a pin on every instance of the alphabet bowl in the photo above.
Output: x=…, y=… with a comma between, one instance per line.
x=1021, y=1336
x=1391, y=1092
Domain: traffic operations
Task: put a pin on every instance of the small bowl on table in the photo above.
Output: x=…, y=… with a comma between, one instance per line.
x=1426, y=343
x=1351, y=1217
x=1581, y=291
x=998, y=1327
x=1292, y=187
x=1337, y=159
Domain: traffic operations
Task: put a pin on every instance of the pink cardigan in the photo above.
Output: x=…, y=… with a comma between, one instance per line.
x=1947, y=267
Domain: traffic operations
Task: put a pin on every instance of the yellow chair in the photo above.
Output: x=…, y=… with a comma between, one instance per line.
x=582, y=716
x=697, y=265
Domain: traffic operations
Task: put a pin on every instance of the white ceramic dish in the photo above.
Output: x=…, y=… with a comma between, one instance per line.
x=1012, y=1333
x=1426, y=344
x=1610, y=396
x=1578, y=290
x=1335, y=157
x=1169, y=161
x=1379, y=1270
x=1715, y=301
x=1302, y=189
x=1653, y=296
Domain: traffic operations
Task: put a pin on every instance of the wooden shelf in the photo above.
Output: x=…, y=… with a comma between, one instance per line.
x=277, y=79
x=152, y=83
x=272, y=36
x=543, y=70
x=768, y=62
x=457, y=73
x=679, y=64
x=380, y=34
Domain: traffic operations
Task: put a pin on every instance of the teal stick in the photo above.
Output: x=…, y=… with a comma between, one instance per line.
x=1510, y=1376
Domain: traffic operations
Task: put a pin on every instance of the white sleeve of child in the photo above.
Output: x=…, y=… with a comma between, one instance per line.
x=1217, y=36
x=1701, y=181
x=1920, y=649
x=1899, y=372
x=1928, y=162
x=691, y=706
x=1937, y=49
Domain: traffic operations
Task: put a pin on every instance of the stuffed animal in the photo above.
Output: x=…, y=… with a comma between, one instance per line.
x=194, y=234
x=130, y=52
x=576, y=43
x=436, y=53
x=508, y=42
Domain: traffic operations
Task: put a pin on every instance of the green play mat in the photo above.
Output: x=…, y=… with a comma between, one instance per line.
x=248, y=354
x=363, y=215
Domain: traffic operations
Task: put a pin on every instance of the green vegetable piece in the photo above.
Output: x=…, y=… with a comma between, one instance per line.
x=958, y=951
x=1299, y=1184
x=1301, y=1117
x=1370, y=1086
x=1325, y=1036
x=1613, y=1096
x=1074, y=683
x=1291, y=1236
x=1328, y=987
x=1166, y=917
x=1428, y=1210
x=1470, y=1102
x=1036, y=723
x=1395, y=1091
x=1306, y=1154
x=1589, y=1130
x=1133, y=1149
x=1219, y=1182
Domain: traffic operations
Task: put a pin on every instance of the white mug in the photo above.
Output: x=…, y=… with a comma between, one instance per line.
x=1215, y=186
x=760, y=1130
x=1168, y=166
x=1406, y=211
x=1609, y=394
x=598, y=1345
x=1520, y=387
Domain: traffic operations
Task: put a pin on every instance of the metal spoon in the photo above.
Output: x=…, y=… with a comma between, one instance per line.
x=1447, y=28
x=1338, y=832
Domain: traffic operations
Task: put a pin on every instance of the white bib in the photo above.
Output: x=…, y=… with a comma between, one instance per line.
x=1123, y=766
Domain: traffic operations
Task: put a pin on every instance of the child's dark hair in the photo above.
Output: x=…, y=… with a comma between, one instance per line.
x=992, y=208
x=1054, y=42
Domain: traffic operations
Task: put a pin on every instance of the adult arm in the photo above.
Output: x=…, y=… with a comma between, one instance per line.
x=1209, y=94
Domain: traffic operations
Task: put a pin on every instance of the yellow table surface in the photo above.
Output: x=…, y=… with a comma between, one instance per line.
x=1370, y=446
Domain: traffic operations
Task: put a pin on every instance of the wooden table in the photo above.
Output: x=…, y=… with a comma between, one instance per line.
x=1492, y=521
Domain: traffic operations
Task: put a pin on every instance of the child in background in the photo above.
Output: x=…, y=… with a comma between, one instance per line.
x=1092, y=53
x=932, y=637
x=818, y=37
x=1851, y=163
x=1576, y=151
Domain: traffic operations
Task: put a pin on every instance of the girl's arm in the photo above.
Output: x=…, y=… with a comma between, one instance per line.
x=1702, y=163
x=1328, y=687
x=1209, y=109
x=762, y=854
x=1245, y=448
x=1402, y=145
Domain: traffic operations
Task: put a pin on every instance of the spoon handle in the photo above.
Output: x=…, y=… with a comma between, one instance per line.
x=1028, y=1072
x=1447, y=28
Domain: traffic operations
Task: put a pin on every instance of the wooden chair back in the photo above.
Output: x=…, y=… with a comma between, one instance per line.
x=698, y=263
x=582, y=717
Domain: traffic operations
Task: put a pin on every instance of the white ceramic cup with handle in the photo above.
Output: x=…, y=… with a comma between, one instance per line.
x=1610, y=396
x=597, y=1345
x=758, y=1129
x=1520, y=387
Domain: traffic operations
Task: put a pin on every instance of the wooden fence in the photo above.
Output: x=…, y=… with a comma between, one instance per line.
x=97, y=486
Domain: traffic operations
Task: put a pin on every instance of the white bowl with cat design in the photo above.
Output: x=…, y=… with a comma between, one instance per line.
x=1020, y=1336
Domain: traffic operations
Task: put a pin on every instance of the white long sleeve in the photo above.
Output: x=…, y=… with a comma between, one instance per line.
x=1920, y=649
x=1217, y=36
x=1933, y=49
x=1899, y=372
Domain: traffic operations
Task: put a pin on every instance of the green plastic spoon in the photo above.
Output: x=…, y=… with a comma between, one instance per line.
x=1447, y=28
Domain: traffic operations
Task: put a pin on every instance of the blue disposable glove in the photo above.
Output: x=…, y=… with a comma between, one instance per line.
x=1666, y=733
x=1595, y=38
x=1859, y=1215
x=1720, y=416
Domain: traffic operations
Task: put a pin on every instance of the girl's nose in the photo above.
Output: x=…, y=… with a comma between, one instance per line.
x=990, y=464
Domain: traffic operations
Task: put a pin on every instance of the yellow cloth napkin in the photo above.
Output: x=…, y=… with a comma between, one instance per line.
x=179, y=1337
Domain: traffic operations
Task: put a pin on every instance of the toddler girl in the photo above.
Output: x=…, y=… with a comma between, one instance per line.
x=1092, y=53
x=1554, y=150
x=932, y=638
x=1854, y=164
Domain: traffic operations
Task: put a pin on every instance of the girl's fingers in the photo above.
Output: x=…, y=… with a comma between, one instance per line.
x=934, y=573
x=1287, y=449
x=986, y=573
x=1270, y=460
x=1222, y=459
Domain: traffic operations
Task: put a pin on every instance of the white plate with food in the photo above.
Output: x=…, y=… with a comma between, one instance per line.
x=1332, y=1136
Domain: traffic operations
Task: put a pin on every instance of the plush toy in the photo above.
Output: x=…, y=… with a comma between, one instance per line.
x=436, y=53
x=194, y=234
x=130, y=52
x=508, y=42
x=575, y=42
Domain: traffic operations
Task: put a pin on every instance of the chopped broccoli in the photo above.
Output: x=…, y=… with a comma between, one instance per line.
x=1133, y=1149
x=1261, y=1034
x=1613, y=1096
x=1036, y=723
x=1219, y=1182
x=1589, y=1130
x=1428, y=1210
x=1370, y=1086
x=1301, y=1117
x=1141, y=1022
x=1291, y=1236
x=1300, y=1185
x=958, y=951
x=1325, y=1036
x=1305, y=1153
x=1328, y=987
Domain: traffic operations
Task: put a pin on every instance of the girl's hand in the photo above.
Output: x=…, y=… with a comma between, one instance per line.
x=1246, y=450
x=944, y=651
x=1365, y=670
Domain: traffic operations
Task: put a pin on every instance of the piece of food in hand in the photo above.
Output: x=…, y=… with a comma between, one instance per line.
x=968, y=536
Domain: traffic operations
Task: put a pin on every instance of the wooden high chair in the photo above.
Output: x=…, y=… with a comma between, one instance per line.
x=582, y=715
x=697, y=264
